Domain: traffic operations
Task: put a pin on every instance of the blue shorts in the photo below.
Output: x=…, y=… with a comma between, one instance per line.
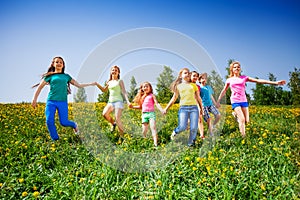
x=239, y=104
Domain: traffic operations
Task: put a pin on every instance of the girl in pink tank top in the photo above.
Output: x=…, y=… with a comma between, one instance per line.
x=145, y=101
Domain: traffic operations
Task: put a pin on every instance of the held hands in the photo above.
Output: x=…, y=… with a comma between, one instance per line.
x=281, y=82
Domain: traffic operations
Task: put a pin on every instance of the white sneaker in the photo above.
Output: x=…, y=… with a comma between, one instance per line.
x=76, y=130
x=173, y=135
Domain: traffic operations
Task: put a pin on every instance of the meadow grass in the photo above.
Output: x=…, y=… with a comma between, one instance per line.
x=94, y=165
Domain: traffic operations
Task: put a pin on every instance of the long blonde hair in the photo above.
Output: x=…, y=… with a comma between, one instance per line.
x=178, y=80
x=231, y=67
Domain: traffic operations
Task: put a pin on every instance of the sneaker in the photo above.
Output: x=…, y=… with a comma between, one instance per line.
x=235, y=116
x=191, y=145
x=76, y=130
x=173, y=135
x=113, y=127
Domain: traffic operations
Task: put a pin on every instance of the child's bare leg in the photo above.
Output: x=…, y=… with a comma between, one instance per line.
x=145, y=129
x=118, y=113
x=201, y=126
x=241, y=120
x=106, y=113
x=154, y=132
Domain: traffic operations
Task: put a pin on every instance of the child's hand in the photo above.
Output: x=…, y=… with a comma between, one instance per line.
x=164, y=111
x=282, y=82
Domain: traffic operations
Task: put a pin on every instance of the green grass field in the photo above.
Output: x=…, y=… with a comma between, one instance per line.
x=96, y=165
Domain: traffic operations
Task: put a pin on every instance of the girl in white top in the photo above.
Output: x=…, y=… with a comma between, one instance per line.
x=115, y=103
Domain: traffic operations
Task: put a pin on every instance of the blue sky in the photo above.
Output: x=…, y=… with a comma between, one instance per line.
x=262, y=34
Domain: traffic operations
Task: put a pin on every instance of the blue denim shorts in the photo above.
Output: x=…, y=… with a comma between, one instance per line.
x=239, y=104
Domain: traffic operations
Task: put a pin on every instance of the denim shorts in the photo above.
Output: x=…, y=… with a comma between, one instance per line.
x=239, y=104
x=117, y=104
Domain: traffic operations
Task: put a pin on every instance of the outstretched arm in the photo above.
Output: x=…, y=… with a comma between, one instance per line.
x=263, y=81
x=37, y=93
x=171, y=102
x=81, y=85
x=103, y=89
x=223, y=92
x=199, y=101
x=158, y=105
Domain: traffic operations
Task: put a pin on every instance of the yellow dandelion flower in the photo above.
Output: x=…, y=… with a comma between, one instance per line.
x=261, y=142
x=287, y=154
x=159, y=183
x=254, y=147
x=81, y=180
x=264, y=135
x=194, y=168
x=24, y=194
x=21, y=180
x=187, y=158
x=263, y=187
x=223, y=175
x=243, y=142
x=36, y=194
x=34, y=188
x=1, y=184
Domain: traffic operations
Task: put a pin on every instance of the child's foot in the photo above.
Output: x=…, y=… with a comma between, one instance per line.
x=76, y=130
x=173, y=135
x=235, y=117
x=113, y=127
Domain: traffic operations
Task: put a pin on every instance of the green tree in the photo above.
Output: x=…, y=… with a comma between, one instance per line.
x=270, y=94
x=163, y=91
x=294, y=85
x=103, y=97
x=216, y=82
x=133, y=89
x=80, y=95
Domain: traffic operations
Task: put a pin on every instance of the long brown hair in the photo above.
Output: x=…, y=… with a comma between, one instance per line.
x=178, y=80
x=51, y=71
x=139, y=98
x=118, y=68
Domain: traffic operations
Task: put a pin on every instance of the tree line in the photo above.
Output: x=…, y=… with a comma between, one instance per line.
x=261, y=94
